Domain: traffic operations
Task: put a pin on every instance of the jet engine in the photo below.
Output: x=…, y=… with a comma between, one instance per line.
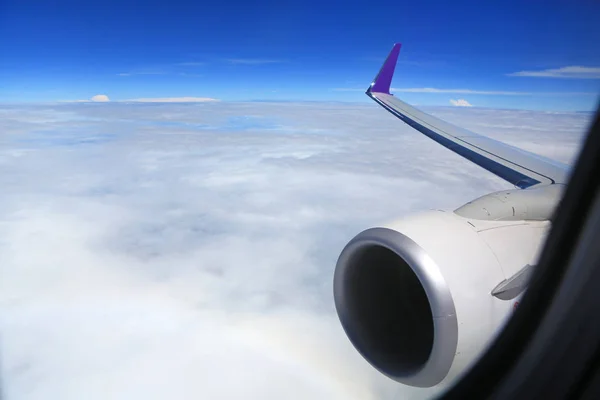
x=420, y=298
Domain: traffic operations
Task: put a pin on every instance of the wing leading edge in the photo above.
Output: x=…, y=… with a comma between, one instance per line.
x=519, y=167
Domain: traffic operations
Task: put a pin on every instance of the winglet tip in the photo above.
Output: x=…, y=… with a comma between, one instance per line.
x=383, y=80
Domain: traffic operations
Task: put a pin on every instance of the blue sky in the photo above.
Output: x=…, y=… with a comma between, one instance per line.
x=281, y=50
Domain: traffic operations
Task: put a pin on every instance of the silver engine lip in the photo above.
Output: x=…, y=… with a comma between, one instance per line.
x=445, y=324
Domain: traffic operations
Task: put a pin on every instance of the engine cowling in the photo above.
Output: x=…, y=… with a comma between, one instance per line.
x=414, y=296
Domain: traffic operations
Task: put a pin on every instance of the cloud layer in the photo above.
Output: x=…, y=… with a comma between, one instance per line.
x=187, y=250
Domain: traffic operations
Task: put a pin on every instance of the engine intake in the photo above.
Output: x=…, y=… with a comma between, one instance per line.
x=396, y=308
x=388, y=298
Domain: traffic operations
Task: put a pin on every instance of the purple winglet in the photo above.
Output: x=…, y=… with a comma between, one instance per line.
x=383, y=80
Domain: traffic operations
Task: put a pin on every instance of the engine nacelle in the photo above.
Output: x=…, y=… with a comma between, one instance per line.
x=414, y=297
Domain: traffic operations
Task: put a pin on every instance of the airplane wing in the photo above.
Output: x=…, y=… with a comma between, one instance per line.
x=519, y=167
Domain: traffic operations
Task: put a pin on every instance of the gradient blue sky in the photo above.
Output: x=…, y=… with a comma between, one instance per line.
x=301, y=50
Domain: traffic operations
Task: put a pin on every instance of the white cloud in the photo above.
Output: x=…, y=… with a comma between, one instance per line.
x=253, y=61
x=461, y=91
x=460, y=103
x=142, y=72
x=574, y=72
x=191, y=64
x=190, y=75
x=472, y=91
x=100, y=98
x=188, y=251
x=173, y=100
